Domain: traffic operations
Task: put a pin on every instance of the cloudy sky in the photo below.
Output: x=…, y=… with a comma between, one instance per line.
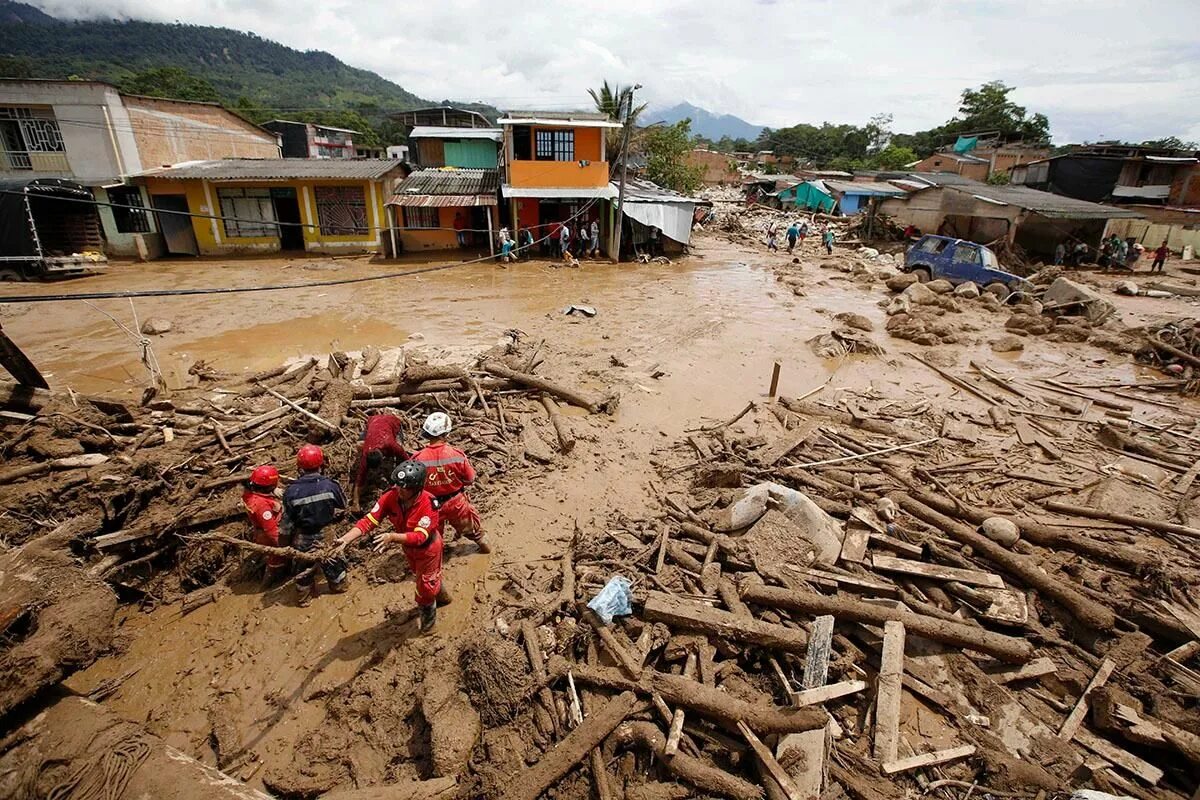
x=1100, y=69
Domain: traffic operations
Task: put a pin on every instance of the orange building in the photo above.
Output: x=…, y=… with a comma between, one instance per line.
x=555, y=168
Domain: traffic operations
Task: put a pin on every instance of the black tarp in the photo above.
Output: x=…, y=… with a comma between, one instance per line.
x=1090, y=178
x=16, y=239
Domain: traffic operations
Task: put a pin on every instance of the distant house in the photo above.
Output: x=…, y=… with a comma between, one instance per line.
x=247, y=205
x=855, y=196
x=719, y=169
x=441, y=116
x=468, y=148
x=91, y=133
x=982, y=161
x=309, y=140
x=427, y=203
x=1119, y=173
x=812, y=195
x=555, y=168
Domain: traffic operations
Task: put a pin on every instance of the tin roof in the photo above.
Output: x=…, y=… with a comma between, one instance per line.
x=944, y=179
x=1056, y=206
x=276, y=169
x=640, y=190
x=440, y=132
x=448, y=187
x=865, y=187
x=1158, y=192
x=582, y=119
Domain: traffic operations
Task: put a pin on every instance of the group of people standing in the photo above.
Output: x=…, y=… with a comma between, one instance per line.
x=564, y=240
x=419, y=493
x=1113, y=252
x=796, y=234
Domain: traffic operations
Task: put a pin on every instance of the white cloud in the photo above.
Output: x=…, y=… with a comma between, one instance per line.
x=1098, y=69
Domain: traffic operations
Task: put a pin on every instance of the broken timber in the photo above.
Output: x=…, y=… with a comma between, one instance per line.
x=534, y=382
x=927, y=759
x=971, y=577
x=889, y=691
x=699, y=617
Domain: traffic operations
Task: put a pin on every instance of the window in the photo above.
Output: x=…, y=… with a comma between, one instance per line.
x=934, y=246
x=555, y=145
x=341, y=210
x=28, y=130
x=247, y=212
x=420, y=217
x=131, y=219
x=964, y=254
x=522, y=143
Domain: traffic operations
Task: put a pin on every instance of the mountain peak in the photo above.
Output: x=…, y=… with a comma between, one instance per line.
x=706, y=123
x=23, y=13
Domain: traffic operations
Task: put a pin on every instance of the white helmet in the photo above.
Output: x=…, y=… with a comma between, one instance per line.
x=437, y=425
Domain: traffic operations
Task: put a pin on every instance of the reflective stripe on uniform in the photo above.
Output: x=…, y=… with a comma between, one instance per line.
x=441, y=462
x=316, y=498
x=371, y=517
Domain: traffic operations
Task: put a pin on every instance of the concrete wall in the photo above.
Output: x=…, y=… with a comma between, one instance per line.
x=1152, y=234
x=922, y=209
x=127, y=244
x=1185, y=189
x=718, y=167
x=168, y=132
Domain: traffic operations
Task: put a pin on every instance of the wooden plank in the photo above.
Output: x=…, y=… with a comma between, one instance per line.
x=897, y=545
x=663, y=536
x=786, y=444
x=816, y=660
x=1075, y=718
x=1025, y=431
x=971, y=577
x=1122, y=758
x=660, y=607
x=822, y=694
x=773, y=768
x=890, y=688
x=807, y=753
x=1034, y=669
x=854, y=546
x=837, y=580
x=675, y=733
x=928, y=759
x=631, y=666
x=1188, y=478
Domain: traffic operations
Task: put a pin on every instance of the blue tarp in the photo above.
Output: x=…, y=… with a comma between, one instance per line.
x=966, y=144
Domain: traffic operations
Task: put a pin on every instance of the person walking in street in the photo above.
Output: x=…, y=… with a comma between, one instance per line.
x=506, y=247
x=415, y=525
x=379, y=453
x=564, y=241
x=450, y=475
x=594, y=239
x=310, y=504
x=1060, y=254
x=1160, y=257
x=793, y=233
x=827, y=239
x=263, y=508
x=525, y=242
x=460, y=228
x=772, y=246
x=803, y=232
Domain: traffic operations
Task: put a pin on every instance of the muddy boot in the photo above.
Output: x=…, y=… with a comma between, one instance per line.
x=482, y=544
x=305, y=595
x=428, y=616
x=443, y=597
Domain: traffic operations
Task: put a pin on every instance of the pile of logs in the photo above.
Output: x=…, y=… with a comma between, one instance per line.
x=933, y=644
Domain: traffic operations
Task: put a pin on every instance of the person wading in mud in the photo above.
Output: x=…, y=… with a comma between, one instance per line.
x=827, y=239
x=771, y=244
x=449, y=475
x=793, y=233
x=264, y=508
x=379, y=454
x=414, y=519
x=311, y=503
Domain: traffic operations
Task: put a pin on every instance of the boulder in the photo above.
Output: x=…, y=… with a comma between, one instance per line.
x=901, y=282
x=1072, y=333
x=921, y=294
x=856, y=321
x=1066, y=292
x=926, y=339
x=885, y=272
x=1127, y=288
x=900, y=304
x=1001, y=530
x=940, y=286
x=1081, y=322
x=1008, y=344
x=990, y=301
x=1027, y=323
x=156, y=326
x=968, y=290
x=868, y=252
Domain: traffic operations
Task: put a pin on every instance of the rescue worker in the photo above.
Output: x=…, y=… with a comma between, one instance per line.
x=379, y=454
x=450, y=473
x=263, y=509
x=310, y=504
x=410, y=509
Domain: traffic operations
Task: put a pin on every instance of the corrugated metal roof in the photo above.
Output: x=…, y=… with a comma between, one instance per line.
x=594, y=116
x=1173, y=159
x=442, y=200
x=274, y=169
x=450, y=182
x=439, y=132
x=554, y=193
x=640, y=190
x=865, y=188
x=1048, y=205
x=1143, y=192
x=945, y=179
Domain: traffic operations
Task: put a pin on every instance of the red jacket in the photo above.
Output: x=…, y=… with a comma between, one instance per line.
x=416, y=522
x=1162, y=252
x=449, y=469
x=263, y=510
x=383, y=431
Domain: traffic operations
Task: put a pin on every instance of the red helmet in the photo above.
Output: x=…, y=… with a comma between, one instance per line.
x=310, y=457
x=264, y=477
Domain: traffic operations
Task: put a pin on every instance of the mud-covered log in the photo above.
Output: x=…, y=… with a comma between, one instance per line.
x=370, y=359
x=85, y=461
x=563, y=393
x=573, y=749
x=708, y=779
x=723, y=624
x=1124, y=519
x=566, y=442
x=1024, y=568
x=418, y=373
x=1005, y=648
x=1110, y=436
x=335, y=402
x=708, y=701
x=872, y=425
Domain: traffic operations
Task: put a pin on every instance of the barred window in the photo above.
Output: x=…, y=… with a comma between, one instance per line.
x=420, y=217
x=131, y=218
x=247, y=212
x=555, y=145
x=38, y=129
x=341, y=210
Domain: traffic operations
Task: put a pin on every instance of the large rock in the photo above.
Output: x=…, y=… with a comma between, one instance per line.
x=156, y=326
x=805, y=529
x=901, y=282
x=1066, y=292
x=856, y=321
x=940, y=286
x=1008, y=344
x=1028, y=323
x=900, y=304
x=921, y=294
x=969, y=290
x=1072, y=333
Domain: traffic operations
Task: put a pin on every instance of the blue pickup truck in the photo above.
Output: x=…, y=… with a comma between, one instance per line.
x=959, y=261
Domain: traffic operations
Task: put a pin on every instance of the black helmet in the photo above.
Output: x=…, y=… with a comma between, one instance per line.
x=409, y=475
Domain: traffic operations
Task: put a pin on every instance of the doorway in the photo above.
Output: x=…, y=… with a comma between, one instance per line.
x=178, y=235
x=287, y=214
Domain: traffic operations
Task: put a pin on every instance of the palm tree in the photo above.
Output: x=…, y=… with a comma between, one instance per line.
x=617, y=102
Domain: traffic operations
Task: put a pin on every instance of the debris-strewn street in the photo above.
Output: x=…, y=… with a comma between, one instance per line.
x=955, y=554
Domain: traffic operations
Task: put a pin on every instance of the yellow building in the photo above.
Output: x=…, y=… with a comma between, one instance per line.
x=247, y=205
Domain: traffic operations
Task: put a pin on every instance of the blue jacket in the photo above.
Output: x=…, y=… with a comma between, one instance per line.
x=312, y=501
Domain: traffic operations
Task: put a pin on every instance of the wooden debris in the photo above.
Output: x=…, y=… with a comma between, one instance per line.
x=699, y=617
x=888, y=693
x=766, y=760
x=1034, y=669
x=822, y=694
x=566, y=442
x=816, y=658
x=970, y=577
x=1075, y=718
x=927, y=759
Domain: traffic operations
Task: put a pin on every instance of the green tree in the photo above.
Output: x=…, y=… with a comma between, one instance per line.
x=989, y=109
x=999, y=179
x=893, y=157
x=617, y=102
x=666, y=148
x=15, y=67
x=174, y=83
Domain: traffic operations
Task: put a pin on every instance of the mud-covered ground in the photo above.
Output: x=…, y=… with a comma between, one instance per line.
x=685, y=344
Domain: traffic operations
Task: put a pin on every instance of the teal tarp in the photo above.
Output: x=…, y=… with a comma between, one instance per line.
x=807, y=196
x=966, y=144
x=471, y=153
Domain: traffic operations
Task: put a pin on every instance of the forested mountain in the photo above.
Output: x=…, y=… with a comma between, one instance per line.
x=243, y=70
